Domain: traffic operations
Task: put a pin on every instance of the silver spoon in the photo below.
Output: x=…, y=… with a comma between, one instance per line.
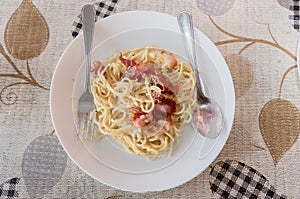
x=207, y=117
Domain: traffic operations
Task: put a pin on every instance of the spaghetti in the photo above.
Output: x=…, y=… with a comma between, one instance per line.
x=143, y=98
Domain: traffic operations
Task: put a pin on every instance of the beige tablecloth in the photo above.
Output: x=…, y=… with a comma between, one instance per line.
x=258, y=39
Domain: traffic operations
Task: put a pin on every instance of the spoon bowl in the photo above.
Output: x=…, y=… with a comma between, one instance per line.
x=207, y=118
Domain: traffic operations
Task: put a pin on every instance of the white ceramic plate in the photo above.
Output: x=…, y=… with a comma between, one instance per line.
x=106, y=161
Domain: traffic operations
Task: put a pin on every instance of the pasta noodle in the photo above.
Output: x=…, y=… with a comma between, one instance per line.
x=143, y=98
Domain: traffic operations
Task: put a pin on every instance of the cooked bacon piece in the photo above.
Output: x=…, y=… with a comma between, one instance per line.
x=159, y=78
x=137, y=110
x=160, y=81
x=96, y=67
x=146, y=68
x=168, y=107
x=127, y=62
x=169, y=124
x=146, y=118
x=139, y=122
x=169, y=60
x=152, y=130
x=132, y=73
x=157, y=96
x=139, y=71
x=158, y=127
x=169, y=70
x=170, y=104
x=140, y=118
x=164, y=107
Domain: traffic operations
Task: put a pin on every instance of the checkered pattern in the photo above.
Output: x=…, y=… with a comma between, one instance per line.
x=8, y=188
x=294, y=18
x=232, y=179
x=103, y=9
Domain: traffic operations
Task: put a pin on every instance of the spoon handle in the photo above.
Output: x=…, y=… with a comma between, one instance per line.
x=88, y=22
x=186, y=26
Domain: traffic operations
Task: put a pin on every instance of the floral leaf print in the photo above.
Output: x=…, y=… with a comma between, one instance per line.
x=241, y=71
x=214, y=7
x=44, y=162
x=26, y=33
x=26, y=36
x=279, y=123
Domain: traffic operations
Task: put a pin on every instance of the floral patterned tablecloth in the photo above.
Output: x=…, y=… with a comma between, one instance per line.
x=258, y=40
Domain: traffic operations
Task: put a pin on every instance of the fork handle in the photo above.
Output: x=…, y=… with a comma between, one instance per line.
x=88, y=22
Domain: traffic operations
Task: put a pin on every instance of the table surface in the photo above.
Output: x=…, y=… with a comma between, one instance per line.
x=258, y=40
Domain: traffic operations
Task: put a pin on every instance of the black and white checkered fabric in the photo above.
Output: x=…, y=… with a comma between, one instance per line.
x=103, y=9
x=8, y=188
x=295, y=16
x=232, y=179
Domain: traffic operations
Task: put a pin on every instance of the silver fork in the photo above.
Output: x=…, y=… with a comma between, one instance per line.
x=86, y=101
